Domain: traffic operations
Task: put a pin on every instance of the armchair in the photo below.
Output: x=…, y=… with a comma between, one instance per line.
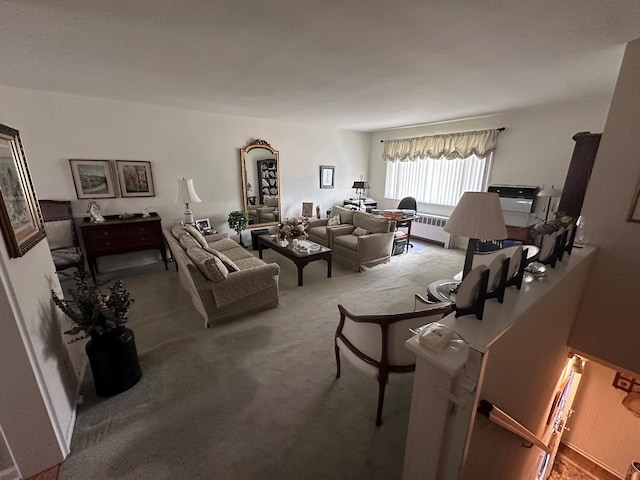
x=374, y=344
x=61, y=235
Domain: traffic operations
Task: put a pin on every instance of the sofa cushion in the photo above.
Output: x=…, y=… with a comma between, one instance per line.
x=249, y=262
x=178, y=230
x=346, y=214
x=224, y=245
x=359, y=231
x=210, y=265
x=195, y=233
x=347, y=241
x=187, y=241
x=226, y=261
x=372, y=223
x=335, y=220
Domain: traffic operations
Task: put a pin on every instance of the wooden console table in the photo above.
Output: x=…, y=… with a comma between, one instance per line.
x=117, y=235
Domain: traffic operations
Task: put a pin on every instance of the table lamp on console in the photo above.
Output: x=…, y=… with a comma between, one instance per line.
x=187, y=194
x=478, y=215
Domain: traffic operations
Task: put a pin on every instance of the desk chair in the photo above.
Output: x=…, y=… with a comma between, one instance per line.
x=407, y=203
x=61, y=235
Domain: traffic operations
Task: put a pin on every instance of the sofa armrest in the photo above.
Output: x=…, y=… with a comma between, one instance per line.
x=244, y=283
x=374, y=245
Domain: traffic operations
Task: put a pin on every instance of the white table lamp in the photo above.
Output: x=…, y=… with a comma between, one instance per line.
x=478, y=215
x=187, y=194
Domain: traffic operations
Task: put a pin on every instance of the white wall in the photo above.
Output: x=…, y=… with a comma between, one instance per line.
x=607, y=324
x=38, y=382
x=179, y=143
x=602, y=428
x=535, y=148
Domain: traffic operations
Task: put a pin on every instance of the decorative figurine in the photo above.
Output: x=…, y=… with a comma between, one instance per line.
x=94, y=212
x=318, y=211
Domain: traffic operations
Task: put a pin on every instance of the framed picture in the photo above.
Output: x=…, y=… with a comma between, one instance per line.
x=135, y=178
x=20, y=217
x=204, y=225
x=326, y=176
x=307, y=209
x=634, y=211
x=93, y=178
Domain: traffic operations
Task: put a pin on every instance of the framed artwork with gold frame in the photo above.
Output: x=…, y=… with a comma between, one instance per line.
x=20, y=216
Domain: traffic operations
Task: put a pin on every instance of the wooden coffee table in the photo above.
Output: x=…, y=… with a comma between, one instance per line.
x=301, y=259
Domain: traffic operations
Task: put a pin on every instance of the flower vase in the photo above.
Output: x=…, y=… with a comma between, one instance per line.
x=114, y=361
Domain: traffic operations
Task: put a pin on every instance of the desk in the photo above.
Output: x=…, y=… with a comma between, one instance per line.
x=116, y=235
x=365, y=202
x=406, y=222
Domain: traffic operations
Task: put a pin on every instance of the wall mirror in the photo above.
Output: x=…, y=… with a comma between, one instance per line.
x=260, y=165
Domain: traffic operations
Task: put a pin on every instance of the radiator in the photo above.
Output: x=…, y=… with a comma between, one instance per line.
x=429, y=227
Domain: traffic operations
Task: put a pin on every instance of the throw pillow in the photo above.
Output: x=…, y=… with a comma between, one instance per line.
x=210, y=265
x=226, y=261
x=187, y=241
x=333, y=221
x=358, y=232
x=195, y=233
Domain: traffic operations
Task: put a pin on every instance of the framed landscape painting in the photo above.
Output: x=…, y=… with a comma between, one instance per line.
x=93, y=178
x=20, y=218
x=135, y=178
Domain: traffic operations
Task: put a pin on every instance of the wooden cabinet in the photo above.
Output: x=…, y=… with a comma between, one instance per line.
x=116, y=235
x=575, y=185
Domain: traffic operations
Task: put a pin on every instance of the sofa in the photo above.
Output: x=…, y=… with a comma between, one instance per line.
x=224, y=280
x=359, y=240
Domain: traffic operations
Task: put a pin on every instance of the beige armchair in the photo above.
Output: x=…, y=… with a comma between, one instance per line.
x=367, y=243
x=374, y=344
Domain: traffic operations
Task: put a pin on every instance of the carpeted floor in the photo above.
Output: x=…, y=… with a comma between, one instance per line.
x=255, y=398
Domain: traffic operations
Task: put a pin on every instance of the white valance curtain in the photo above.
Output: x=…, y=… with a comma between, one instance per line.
x=480, y=143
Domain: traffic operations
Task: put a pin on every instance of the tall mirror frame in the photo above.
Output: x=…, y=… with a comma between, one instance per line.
x=260, y=167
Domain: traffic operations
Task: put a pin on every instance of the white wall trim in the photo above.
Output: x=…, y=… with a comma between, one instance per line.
x=593, y=459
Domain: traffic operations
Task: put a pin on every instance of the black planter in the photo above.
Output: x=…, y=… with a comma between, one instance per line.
x=114, y=361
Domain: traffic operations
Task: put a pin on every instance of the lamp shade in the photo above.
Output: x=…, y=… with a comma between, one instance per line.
x=186, y=192
x=362, y=185
x=478, y=215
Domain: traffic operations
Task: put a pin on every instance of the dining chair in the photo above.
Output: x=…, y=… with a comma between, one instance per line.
x=61, y=235
x=374, y=344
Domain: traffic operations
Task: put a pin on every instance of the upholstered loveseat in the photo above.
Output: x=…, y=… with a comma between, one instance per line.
x=224, y=280
x=358, y=240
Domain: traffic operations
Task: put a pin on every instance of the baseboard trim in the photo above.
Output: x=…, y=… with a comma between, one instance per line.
x=594, y=460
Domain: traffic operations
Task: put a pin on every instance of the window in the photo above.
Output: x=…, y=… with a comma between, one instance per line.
x=437, y=181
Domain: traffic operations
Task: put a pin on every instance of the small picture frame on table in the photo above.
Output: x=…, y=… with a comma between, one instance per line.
x=307, y=209
x=204, y=225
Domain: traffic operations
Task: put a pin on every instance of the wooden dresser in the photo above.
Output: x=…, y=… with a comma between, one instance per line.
x=116, y=235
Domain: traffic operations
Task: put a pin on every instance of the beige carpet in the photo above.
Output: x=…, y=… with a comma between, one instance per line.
x=255, y=398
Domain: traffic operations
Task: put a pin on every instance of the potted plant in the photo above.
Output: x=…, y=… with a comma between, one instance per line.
x=102, y=317
x=238, y=220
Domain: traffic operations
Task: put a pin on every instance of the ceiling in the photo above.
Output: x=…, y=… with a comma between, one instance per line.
x=355, y=64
